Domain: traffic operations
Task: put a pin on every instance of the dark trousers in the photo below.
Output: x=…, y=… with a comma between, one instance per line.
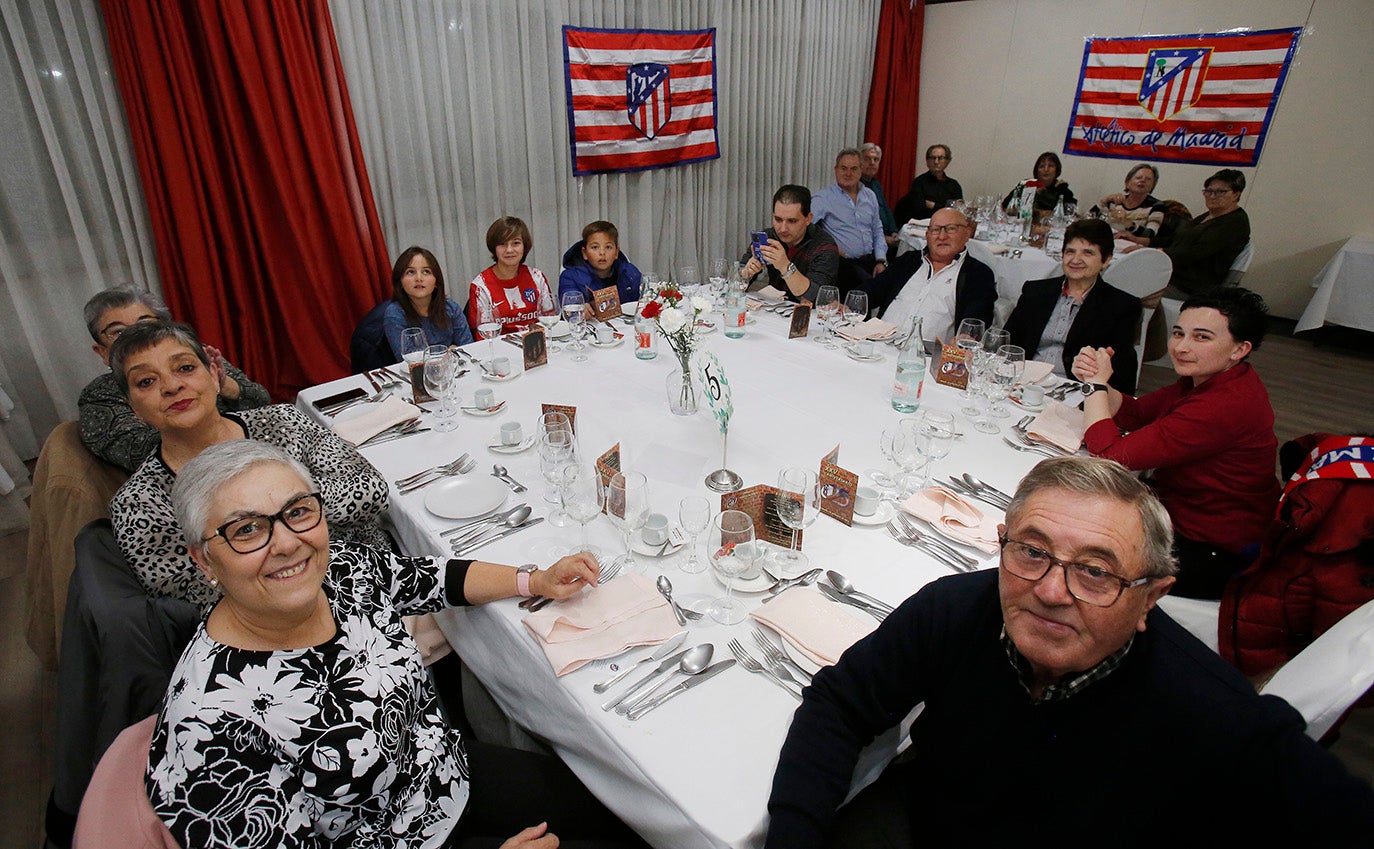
x=879, y=817
x=855, y=273
x=1203, y=569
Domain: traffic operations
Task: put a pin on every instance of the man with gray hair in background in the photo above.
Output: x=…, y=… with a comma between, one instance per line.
x=870, y=158
x=848, y=211
x=1059, y=704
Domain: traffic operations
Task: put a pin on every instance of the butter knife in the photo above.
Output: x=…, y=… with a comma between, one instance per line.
x=481, y=541
x=658, y=654
x=700, y=678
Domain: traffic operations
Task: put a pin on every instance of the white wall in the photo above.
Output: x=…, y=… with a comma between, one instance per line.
x=998, y=79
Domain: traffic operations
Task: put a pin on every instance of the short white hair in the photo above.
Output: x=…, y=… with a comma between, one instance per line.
x=867, y=146
x=200, y=480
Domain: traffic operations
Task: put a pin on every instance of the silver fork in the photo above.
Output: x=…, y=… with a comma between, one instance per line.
x=775, y=655
x=749, y=662
x=909, y=525
x=445, y=468
x=900, y=535
x=537, y=603
x=463, y=468
x=1032, y=449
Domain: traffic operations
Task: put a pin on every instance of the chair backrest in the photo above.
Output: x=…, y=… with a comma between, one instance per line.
x=1141, y=272
x=1241, y=264
x=1328, y=676
x=368, y=348
x=116, y=811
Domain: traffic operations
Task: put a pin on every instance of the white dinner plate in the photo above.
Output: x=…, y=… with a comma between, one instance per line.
x=886, y=510
x=466, y=497
x=490, y=411
x=523, y=445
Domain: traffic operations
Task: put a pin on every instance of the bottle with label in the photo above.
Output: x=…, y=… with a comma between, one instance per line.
x=911, y=371
x=736, y=310
x=1027, y=209
x=646, y=345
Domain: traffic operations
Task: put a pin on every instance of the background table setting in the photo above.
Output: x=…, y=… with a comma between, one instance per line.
x=695, y=770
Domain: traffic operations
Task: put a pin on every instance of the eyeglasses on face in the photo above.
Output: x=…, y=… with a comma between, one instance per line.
x=1216, y=193
x=1086, y=582
x=252, y=532
x=937, y=157
x=946, y=228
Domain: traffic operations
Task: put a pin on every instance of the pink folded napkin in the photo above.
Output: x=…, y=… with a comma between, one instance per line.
x=602, y=622
x=817, y=627
x=874, y=328
x=954, y=516
x=1035, y=372
x=376, y=418
x=1059, y=425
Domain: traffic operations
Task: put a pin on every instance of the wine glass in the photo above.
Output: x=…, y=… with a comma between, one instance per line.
x=1011, y=365
x=909, y=448
x=938, y=426
x=574, y=310
x=440, y=367
x=987, y=359
x=688, y=280
x=555, y=428
x=556, y=451
x=487, y=326
x=548, y=316
x=799, y=503
x=694, y=514
x=968, y=339
x=827, y=307
x=582, y=498
x=855, y=307
x=718, y=271
x=733, y=552
x=627, y=505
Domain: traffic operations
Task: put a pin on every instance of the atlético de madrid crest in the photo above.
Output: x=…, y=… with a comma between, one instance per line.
x=647, y=97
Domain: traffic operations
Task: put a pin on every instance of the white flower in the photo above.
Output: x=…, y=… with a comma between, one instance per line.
x=671, y=320
x=701, y=305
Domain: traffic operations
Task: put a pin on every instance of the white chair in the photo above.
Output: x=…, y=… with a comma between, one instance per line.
x=1241, y=265
x=1198, y=616
x=1141, y=272
x=1172, y=306
x=1328, y=676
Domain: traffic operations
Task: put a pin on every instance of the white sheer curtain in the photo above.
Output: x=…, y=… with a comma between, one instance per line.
x=462, y=112
x=72, y=218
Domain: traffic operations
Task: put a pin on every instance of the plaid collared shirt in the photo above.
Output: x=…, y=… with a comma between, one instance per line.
x=1069, y=686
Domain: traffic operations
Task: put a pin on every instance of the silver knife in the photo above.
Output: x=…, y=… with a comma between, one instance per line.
x=515, y=485
x=661, y=652
x=481, y=541
x=700, y=678
x=664, y=665
x=835, y=595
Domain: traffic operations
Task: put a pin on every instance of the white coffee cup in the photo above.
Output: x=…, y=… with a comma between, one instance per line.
x=655, y=531
x=863, y=348
x=510, y=433
x=1032, y=394
x=483, y=399
x=500, y=366
x=605, y=334
x=866, y=500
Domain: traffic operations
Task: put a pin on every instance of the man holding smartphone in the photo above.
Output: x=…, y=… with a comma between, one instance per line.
x=798, y=256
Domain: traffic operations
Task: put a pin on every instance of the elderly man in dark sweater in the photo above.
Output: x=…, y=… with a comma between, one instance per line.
x=1060, y=705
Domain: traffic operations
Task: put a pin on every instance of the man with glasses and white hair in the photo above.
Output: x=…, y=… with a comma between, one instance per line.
x=109, y=428
x=931, y=190
x=1060, y=702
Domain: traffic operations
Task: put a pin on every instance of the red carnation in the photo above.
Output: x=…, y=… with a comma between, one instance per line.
x=652, y=309
x=672, y=294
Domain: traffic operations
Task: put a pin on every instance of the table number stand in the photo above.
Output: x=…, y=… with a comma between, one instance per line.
x=718, y=393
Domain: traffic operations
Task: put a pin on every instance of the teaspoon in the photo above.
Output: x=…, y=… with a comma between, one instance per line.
x=692, y=662
x=841, y=583
x=665, y=587
x=515, y=519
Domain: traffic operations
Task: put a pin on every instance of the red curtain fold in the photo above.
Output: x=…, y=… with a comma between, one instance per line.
x=894, y=95
x=267, y=236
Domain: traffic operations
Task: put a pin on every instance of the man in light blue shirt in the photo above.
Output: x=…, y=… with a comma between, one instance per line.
x=848, y=211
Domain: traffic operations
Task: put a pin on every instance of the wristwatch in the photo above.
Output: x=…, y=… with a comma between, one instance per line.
x=522, y=579
x=791, y=269
x=1094, y=388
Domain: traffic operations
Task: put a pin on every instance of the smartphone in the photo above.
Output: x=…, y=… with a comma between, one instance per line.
x=342, y=398
x=760, y=238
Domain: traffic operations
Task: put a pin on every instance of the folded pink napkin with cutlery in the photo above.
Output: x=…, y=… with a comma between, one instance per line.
x=1059, y=424
x=873, y=328
x=376, y=418
x=602, y=622
x=954, y=516
x=817, y=627
x=1035, y=372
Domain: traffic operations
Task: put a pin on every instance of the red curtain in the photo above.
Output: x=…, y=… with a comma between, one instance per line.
x=268, y=240
x=892, y=100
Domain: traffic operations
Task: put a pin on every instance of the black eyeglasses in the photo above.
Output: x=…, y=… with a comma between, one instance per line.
x=1216, y=193
x=941, y=158
x=250, y=533
x=1088, y=583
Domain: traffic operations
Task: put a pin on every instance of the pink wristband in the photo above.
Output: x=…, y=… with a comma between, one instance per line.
x=522, y=580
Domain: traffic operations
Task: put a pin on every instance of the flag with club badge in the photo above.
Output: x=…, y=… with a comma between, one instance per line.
x=640, y=99
x=1205, y=99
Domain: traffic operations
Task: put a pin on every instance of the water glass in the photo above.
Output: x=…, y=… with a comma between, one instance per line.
x=827, y=309
x=575, y=312
x=799, y=503
x=938, y=427
x=627, y=505
x=694, y=514
x=1011, y=365
x=582, y=498
x=441, y=365
x=734, y=552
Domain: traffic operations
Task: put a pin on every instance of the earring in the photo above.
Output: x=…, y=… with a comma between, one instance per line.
x=212, y=581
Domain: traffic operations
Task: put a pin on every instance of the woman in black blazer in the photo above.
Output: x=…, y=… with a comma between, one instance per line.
x=1056, y=317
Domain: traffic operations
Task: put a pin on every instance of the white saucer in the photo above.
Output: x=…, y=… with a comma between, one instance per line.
x=753, y=585
x=876, y=358
x=640, y=547
x=884, y=514
x=614, y=343
x=705, y=327
x=1033, y=408
x=490, y=411
x=465, y=497
x=499, y=379
x=524, y=445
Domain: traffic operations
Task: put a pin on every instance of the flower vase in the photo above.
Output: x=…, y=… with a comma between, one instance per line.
x=682, y=392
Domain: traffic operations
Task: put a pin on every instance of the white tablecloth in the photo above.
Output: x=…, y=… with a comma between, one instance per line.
x=697, y=772
x=1345, y=290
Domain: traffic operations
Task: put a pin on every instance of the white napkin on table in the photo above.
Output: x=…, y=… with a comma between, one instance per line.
x=1035, y=372
x=602, y=622
x=814, y=625
x=387, y=413
x=873, y=328
x=1059, y=425
x=955, y=516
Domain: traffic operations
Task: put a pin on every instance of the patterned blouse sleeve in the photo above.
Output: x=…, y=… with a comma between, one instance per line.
x=251, y=395
x=354, y=491
x=109, y=428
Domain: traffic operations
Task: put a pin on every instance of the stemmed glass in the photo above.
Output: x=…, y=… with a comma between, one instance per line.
x=574, y=310
x=413, y=345
x=488, y=327
x=440, y=367
x=797, y=512
x=548, y=316
x=827, y=308
x=555, y=428
x=1010, y=366
x=733, y=552
x=986, y=359
x=556, y=451
x=582, y=498
x=938, y=426
x=627, y=505
x=907, y=446
x=968, y=339
x=694, y=514
x=855, y=307
x=719, y=268
x=688, y=280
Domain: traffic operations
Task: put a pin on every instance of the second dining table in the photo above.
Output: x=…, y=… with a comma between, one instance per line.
x=697, y=772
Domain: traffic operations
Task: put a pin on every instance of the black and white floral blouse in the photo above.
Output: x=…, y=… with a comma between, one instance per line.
x=355, y=496
x=342, y=744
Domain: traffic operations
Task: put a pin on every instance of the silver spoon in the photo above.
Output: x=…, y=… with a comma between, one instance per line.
x=485, y=520
x=841, y=583
x=692, y=662
x=665, y=587
x=803, y=580
x=514, y=520
x=977, y=484
x=500, y=472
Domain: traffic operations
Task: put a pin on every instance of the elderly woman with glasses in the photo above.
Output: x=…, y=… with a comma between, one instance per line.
x=1204, y=250
x=300, y=714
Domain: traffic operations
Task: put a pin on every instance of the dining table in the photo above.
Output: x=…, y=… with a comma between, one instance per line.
x=697, y=772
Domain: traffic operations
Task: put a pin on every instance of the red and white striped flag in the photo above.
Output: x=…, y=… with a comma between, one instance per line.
x=639, y=98
x=1204, y=99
